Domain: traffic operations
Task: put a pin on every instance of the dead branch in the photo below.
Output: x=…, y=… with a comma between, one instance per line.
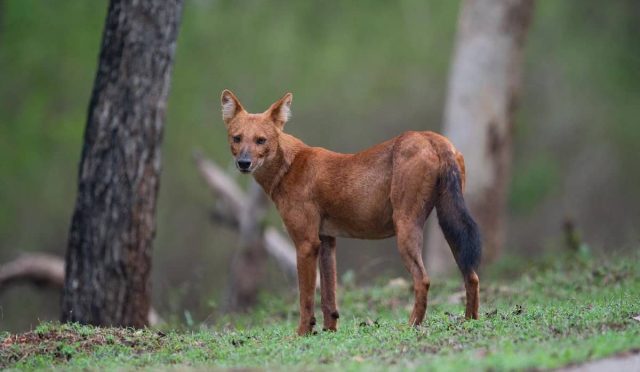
x=282, y=250
x=38, y=269
x=43, y=270
x=220, y=217
x=222, y=185
x=245, y=210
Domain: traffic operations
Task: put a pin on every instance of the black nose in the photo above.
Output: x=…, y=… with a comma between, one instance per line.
x=244, y=164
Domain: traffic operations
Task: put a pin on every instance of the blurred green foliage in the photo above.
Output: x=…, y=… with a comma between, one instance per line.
x=360, y=73
x=532, y=182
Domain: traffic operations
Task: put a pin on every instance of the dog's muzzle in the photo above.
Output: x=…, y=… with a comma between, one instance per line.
x=243, y=165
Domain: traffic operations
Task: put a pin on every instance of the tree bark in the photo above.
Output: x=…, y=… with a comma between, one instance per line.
x=482, y=96
x=108, y=259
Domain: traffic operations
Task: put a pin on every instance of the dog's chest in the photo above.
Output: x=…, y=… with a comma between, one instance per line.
x=328, y=228
x=373, y=229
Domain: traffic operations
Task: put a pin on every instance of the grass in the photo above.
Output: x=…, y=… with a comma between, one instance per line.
x=552, y=315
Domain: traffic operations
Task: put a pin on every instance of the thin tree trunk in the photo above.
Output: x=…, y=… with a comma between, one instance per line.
x=108, y=259
x=482, y=97
x=248, y=263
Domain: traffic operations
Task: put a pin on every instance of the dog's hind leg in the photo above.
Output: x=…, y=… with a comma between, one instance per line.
x=409, y=236
x=412, y=198
x=328, y=279
x=472, y=286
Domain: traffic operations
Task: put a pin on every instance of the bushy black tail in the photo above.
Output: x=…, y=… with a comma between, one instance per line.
x=458, y=227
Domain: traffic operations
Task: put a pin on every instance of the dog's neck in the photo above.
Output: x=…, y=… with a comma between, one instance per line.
x=273, y=170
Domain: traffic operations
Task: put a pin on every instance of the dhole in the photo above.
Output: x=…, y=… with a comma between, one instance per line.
x=386, y=190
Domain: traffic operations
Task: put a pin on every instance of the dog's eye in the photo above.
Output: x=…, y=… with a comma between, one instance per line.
x=236, y=139
x=261, y=141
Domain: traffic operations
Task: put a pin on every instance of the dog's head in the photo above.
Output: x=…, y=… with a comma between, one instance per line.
x=253, y=137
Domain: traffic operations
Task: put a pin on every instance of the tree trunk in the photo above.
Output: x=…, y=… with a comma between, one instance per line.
x=108, y=259
x=479, y=114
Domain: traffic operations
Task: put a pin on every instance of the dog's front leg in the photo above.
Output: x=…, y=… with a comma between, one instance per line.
x=307, y=257
x=328, y=282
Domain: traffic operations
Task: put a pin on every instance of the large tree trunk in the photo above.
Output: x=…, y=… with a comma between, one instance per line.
x=108, y=259
x=482, y=95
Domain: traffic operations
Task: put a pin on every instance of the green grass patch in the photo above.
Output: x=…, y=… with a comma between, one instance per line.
x=553, y=315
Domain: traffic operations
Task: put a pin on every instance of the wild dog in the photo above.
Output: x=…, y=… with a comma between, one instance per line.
x=386, y=190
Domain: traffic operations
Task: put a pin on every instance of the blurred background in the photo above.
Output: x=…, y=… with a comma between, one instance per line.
x=360, y=73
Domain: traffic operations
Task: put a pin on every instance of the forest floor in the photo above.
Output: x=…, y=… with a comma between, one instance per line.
x=556, y=313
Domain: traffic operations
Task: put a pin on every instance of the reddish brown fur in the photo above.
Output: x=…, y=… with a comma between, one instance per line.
x=386, y=190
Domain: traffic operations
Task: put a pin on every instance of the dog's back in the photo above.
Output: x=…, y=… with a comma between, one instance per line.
x=354, y=192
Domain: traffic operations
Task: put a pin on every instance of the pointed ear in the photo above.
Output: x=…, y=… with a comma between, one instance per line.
x=281, y=110
x=230, y=106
